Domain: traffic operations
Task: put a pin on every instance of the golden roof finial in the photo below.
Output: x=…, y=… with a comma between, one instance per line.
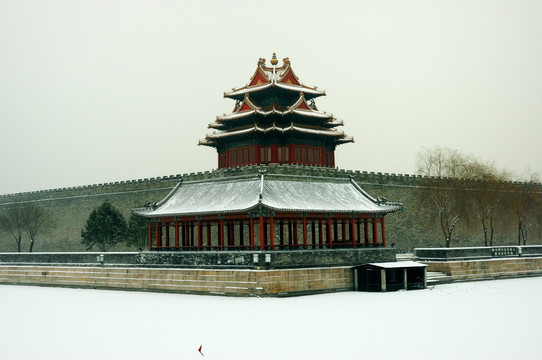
x=274, y=60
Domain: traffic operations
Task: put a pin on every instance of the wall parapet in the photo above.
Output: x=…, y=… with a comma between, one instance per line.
x=472, y=253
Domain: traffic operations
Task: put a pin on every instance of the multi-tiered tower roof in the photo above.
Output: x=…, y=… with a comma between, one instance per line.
x=275, y=120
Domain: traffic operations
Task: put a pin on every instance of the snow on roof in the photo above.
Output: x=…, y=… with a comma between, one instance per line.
x=276, y=192
x=326, y=132
x=397, y=264
x=275, y=75
x=274, y=111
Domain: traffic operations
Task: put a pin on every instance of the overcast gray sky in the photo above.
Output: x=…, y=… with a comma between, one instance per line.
x=99, y=91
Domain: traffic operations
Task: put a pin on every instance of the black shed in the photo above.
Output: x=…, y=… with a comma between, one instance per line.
x=390, y=276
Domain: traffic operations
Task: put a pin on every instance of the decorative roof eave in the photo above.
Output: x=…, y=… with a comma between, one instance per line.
x=346, y=139
x=309, y=113
x=255, y=128
x=287, y=74
x=301, y=88
x=309, y=92
x=240, y=93
x=260, y=76
x=246, y=106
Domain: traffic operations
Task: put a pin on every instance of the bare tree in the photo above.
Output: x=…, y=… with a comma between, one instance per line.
x=26, y=218
x=36, y=220
x=446, y=171
x=522, y=202
x=486, y=196
x=11, y=221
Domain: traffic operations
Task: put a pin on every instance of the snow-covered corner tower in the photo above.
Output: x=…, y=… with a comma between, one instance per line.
x=275, y=120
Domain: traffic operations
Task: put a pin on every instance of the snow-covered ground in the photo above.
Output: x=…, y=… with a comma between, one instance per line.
x=477, y=320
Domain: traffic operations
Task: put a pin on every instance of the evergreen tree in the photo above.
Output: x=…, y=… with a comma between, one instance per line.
x=105, y=227
x=138, y=231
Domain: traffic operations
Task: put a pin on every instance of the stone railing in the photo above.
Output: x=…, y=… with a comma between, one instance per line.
x=471, y=253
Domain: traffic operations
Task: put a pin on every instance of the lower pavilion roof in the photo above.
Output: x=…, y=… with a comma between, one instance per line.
x=281, y=193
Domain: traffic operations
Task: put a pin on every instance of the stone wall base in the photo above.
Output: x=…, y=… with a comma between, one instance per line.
x=234, y=282
x=488, y=269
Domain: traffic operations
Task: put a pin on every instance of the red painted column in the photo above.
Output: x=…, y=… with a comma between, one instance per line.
x=320, y=234
x=251, y=233
x=313, y=234
x=335, y=231
x=329, y=239
x=295, y=232
x=305, y=232
x=383, y=232
x=290, y=234
x=358, y=231
x=366, y=229
x=208, y=234
x=241, y=234
x=150, y=236
x=375, y=233
x=177, y=234
x=281, y=234
x=274, y=154
x=158, y=235
x=221, y=234
x=184, y=233
x=257, y=155
x=191, y=237
x=271, y=233
x=262, y=239
x=166, y=228
x=353, y=232
x=291, y=154
x=199, y=234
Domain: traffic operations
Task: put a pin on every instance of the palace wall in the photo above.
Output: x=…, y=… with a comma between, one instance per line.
x=409, y=228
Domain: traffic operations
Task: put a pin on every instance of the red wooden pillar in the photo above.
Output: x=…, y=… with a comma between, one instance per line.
x=262, y=239
x=383, y=232
x=343, y=229
x=335, y=231
x=366, y=229
x=358, y=230
x=271, y=233
x=353, y=232
x=329, y=239
x=150, y=236
x=281, y=233
x=191, y=228
x=313, y=234
x=257, y=155
x=198, y=224
x=177, y=234
x=221, y=230
x=290, y=234
x=208, y=234
x=158, y=236
x=305, y=232
x=320, y=233
x=241, y=234
x=251, y=233
x=295, y=232
x=183, y=234
x=166, y=228
x=375, y=233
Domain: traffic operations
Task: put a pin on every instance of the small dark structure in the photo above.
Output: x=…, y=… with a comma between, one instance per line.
x=390, y=276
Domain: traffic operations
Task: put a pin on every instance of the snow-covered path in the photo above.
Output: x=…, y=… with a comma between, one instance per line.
x=499, y=319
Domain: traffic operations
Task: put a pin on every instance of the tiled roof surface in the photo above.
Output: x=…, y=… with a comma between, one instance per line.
x=275, y=192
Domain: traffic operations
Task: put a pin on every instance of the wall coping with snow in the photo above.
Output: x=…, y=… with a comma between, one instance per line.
x=474, y=253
